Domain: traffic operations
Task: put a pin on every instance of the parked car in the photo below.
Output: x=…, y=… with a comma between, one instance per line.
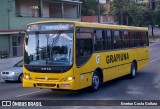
x=13, y=74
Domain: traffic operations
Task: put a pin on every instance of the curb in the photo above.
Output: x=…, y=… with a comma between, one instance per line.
x=153, y=42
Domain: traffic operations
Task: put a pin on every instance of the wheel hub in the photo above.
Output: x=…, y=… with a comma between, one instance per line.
x=95, y=81
x=133, y=71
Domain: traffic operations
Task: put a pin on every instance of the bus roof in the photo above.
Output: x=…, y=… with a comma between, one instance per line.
x=95, y=25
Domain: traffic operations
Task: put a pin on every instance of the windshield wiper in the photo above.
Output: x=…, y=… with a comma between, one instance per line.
x=54, y=41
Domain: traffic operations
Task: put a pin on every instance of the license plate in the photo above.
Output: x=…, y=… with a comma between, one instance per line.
x=4, y=77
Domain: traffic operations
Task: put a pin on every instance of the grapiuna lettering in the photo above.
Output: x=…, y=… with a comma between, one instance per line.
x=117, y=57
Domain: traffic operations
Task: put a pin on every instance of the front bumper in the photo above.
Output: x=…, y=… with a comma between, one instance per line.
x=9, y=77
x=69, y=85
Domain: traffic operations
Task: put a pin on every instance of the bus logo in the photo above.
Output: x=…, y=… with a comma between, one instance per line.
x=46, y=78
x=6, y=103
x=46, y=69
x=98, y=59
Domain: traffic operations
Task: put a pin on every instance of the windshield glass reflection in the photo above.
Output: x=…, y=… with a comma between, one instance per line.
x=49, y=49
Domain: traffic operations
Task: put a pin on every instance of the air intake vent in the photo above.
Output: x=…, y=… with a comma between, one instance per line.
x=53, y=79
x=5, y=72
x=46, y=85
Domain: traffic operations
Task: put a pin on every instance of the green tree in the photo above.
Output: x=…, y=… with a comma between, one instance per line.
x=156, y=15
x=121, y=10
x=142, y=16
x=90, y=8
x=127, y=12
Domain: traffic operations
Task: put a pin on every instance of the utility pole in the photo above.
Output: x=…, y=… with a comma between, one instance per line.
x=151, y=5
x=121, y=18
x=152, y=8
x=99, y=20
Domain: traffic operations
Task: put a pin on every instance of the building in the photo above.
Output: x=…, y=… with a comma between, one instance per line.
x=142, y=1
x=103, y=18
x=16, y=14
x=157, y=2
x=151, y=4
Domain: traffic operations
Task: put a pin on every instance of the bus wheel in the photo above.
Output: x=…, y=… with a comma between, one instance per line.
x=133, y=70
x=95, y=82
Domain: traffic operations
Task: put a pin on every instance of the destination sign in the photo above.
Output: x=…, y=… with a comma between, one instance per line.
x=50, y=27
x=59, y=26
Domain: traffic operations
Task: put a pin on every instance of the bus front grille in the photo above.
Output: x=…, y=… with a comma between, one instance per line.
x=50, y=79
x=46, y=85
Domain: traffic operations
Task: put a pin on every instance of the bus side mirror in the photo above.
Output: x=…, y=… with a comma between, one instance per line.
x=26, y=40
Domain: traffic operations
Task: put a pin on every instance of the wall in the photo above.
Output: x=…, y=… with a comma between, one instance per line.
x=55, y=10
x=4, y=43
x=25, y=8
x=70, y=11
x=95, y=19
x=45, y=9
x=142, y=1
x=17, y=41
x=19, y=23
x=4, y=14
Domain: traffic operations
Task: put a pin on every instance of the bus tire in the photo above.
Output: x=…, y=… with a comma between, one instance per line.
x=133, y=72
x=96, y=81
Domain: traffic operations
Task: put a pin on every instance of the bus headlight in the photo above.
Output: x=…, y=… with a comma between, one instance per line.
x=27, y=76
x=67, y=79
x=70, y=79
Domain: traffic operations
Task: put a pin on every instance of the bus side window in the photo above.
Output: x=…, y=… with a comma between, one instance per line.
x=143, y=38
x=146, y=40
x=108, y=40
x=84, y=45
x=121, y=40
x=131, y=39
x=99, y=41
x=134, y=39
x=126, y=39
x=138, y=39
x=116, y=40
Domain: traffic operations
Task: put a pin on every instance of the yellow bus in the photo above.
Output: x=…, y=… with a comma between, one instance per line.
x=74, y=55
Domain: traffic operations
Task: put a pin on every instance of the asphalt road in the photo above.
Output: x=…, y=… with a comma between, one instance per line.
x=146, y=86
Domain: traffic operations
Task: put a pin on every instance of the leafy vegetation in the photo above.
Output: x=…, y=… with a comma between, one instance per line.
x=90, y=8
x=128, y=12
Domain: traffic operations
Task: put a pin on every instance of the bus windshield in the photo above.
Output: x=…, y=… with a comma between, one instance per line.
x=49, y=49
